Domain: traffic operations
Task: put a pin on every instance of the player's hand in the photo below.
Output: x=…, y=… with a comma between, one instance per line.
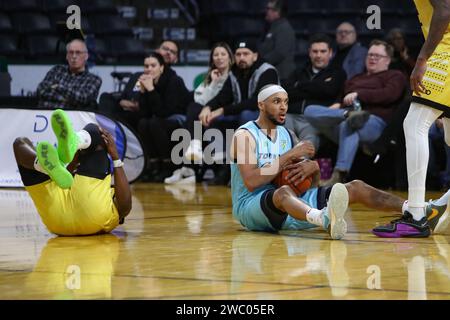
x=303, y=149
x=417, y=76
x=301, y=170
x=110, y=144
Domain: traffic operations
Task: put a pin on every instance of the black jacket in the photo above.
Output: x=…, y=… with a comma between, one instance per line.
x=306, y=88
x=169, y=97
x=225, y=97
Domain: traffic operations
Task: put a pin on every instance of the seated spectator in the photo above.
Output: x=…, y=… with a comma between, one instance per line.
x=278, y=46
x=350, y=55
x=162, y=109
x=220, y=62
x=72, y=86
x=402, y=60
x=125, y=106
x=315, y=83
x=236, y=103
x=378, y=91
x=169, y=51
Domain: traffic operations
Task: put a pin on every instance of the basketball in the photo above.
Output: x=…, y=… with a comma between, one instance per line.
x=299, y=188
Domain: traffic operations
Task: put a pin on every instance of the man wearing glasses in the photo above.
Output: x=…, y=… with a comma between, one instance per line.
x=350, y=55
x=378, y=92
x=169, y=51
x=70, y=86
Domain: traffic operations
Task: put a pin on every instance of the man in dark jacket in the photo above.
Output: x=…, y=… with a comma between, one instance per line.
x=378, y=91
x=316, y=83
x=236, y=103
x=278, y=46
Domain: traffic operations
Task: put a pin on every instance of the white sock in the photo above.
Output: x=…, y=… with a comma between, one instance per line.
x=405, y=207
x=442, y=201
x=416, y=126
x=314, y=216
x=38, y=167
x=84, y=139
x=417, y=212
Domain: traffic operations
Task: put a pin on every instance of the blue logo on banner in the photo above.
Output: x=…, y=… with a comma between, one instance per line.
x=40, y=125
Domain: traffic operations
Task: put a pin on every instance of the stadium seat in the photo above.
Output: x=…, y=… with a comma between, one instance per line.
x=303, y=6
x=42, y=46
x=409, y=25
x=300, y=26
x=240, y=26
x=126, y=48
x=59, y=6
x=8, y=46
x=57, y=18
x=98, y=6
x=20, y=5
x=29, y=23
x=344, y=6
x=108, y=24
x=257, y=7
x=219, y=7
x=5, y=23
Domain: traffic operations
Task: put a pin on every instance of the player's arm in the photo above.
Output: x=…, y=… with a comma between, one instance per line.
x=243, y=152
x=439, y=24
x=122, y=188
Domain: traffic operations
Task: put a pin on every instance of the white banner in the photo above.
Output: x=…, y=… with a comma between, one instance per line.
x=35, y=125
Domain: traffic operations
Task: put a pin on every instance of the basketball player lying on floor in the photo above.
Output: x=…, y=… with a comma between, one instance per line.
x=79, y=204
x=263, y=148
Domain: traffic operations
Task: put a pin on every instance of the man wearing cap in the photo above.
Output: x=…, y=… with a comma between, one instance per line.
x=236, y=103
x=278, y=45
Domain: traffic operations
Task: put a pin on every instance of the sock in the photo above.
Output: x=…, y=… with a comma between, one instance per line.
x=314, y=216
x=442, y=201
x=405, y=207
x=84, y=139
x=38, y=167
x=416, y=127
x=417, y=212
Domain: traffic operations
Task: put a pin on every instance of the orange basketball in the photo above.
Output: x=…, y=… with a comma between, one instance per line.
x=299, y=188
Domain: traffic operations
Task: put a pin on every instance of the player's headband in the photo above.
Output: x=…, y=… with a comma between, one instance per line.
x=267, y=92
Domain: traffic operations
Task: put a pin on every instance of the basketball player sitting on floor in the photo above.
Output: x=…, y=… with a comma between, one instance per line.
x=79, y=204
x=263, y=148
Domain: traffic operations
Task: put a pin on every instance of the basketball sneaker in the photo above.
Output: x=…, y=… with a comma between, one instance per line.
x=438, y=217
x=66, y=136
x=334, y=212
x=406, y=226
x=49, y=160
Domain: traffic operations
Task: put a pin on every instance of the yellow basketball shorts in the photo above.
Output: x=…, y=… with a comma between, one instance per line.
x=437, y=82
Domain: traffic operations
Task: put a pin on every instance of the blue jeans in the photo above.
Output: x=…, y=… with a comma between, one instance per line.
x=331, y=122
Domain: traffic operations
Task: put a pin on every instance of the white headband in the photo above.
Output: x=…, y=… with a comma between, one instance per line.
x=267, y=92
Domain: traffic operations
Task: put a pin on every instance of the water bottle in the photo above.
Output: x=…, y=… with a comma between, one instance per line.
x=356, y=105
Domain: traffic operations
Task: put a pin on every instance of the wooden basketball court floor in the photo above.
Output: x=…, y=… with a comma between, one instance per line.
x=181, y=242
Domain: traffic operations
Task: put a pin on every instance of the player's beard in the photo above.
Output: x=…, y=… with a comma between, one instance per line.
x=274, y=121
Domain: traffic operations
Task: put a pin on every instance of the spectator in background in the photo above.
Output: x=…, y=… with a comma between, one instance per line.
x=402, y=60
x=379, y=90
x=236, y=103
x=278, y=46
x=315, y=83
x=169, y=51
x=350, y=55
x=162, y=108
x=220, y=62
x=72, y=86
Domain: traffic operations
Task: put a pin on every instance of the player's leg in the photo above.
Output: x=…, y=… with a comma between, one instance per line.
x=330, y=218
x=36, y=166
x=416, y=126
x=69, y=141
x=361, y=192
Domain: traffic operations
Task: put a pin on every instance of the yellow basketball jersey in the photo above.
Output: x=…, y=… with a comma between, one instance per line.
x=425, y=10
x=86, y=208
